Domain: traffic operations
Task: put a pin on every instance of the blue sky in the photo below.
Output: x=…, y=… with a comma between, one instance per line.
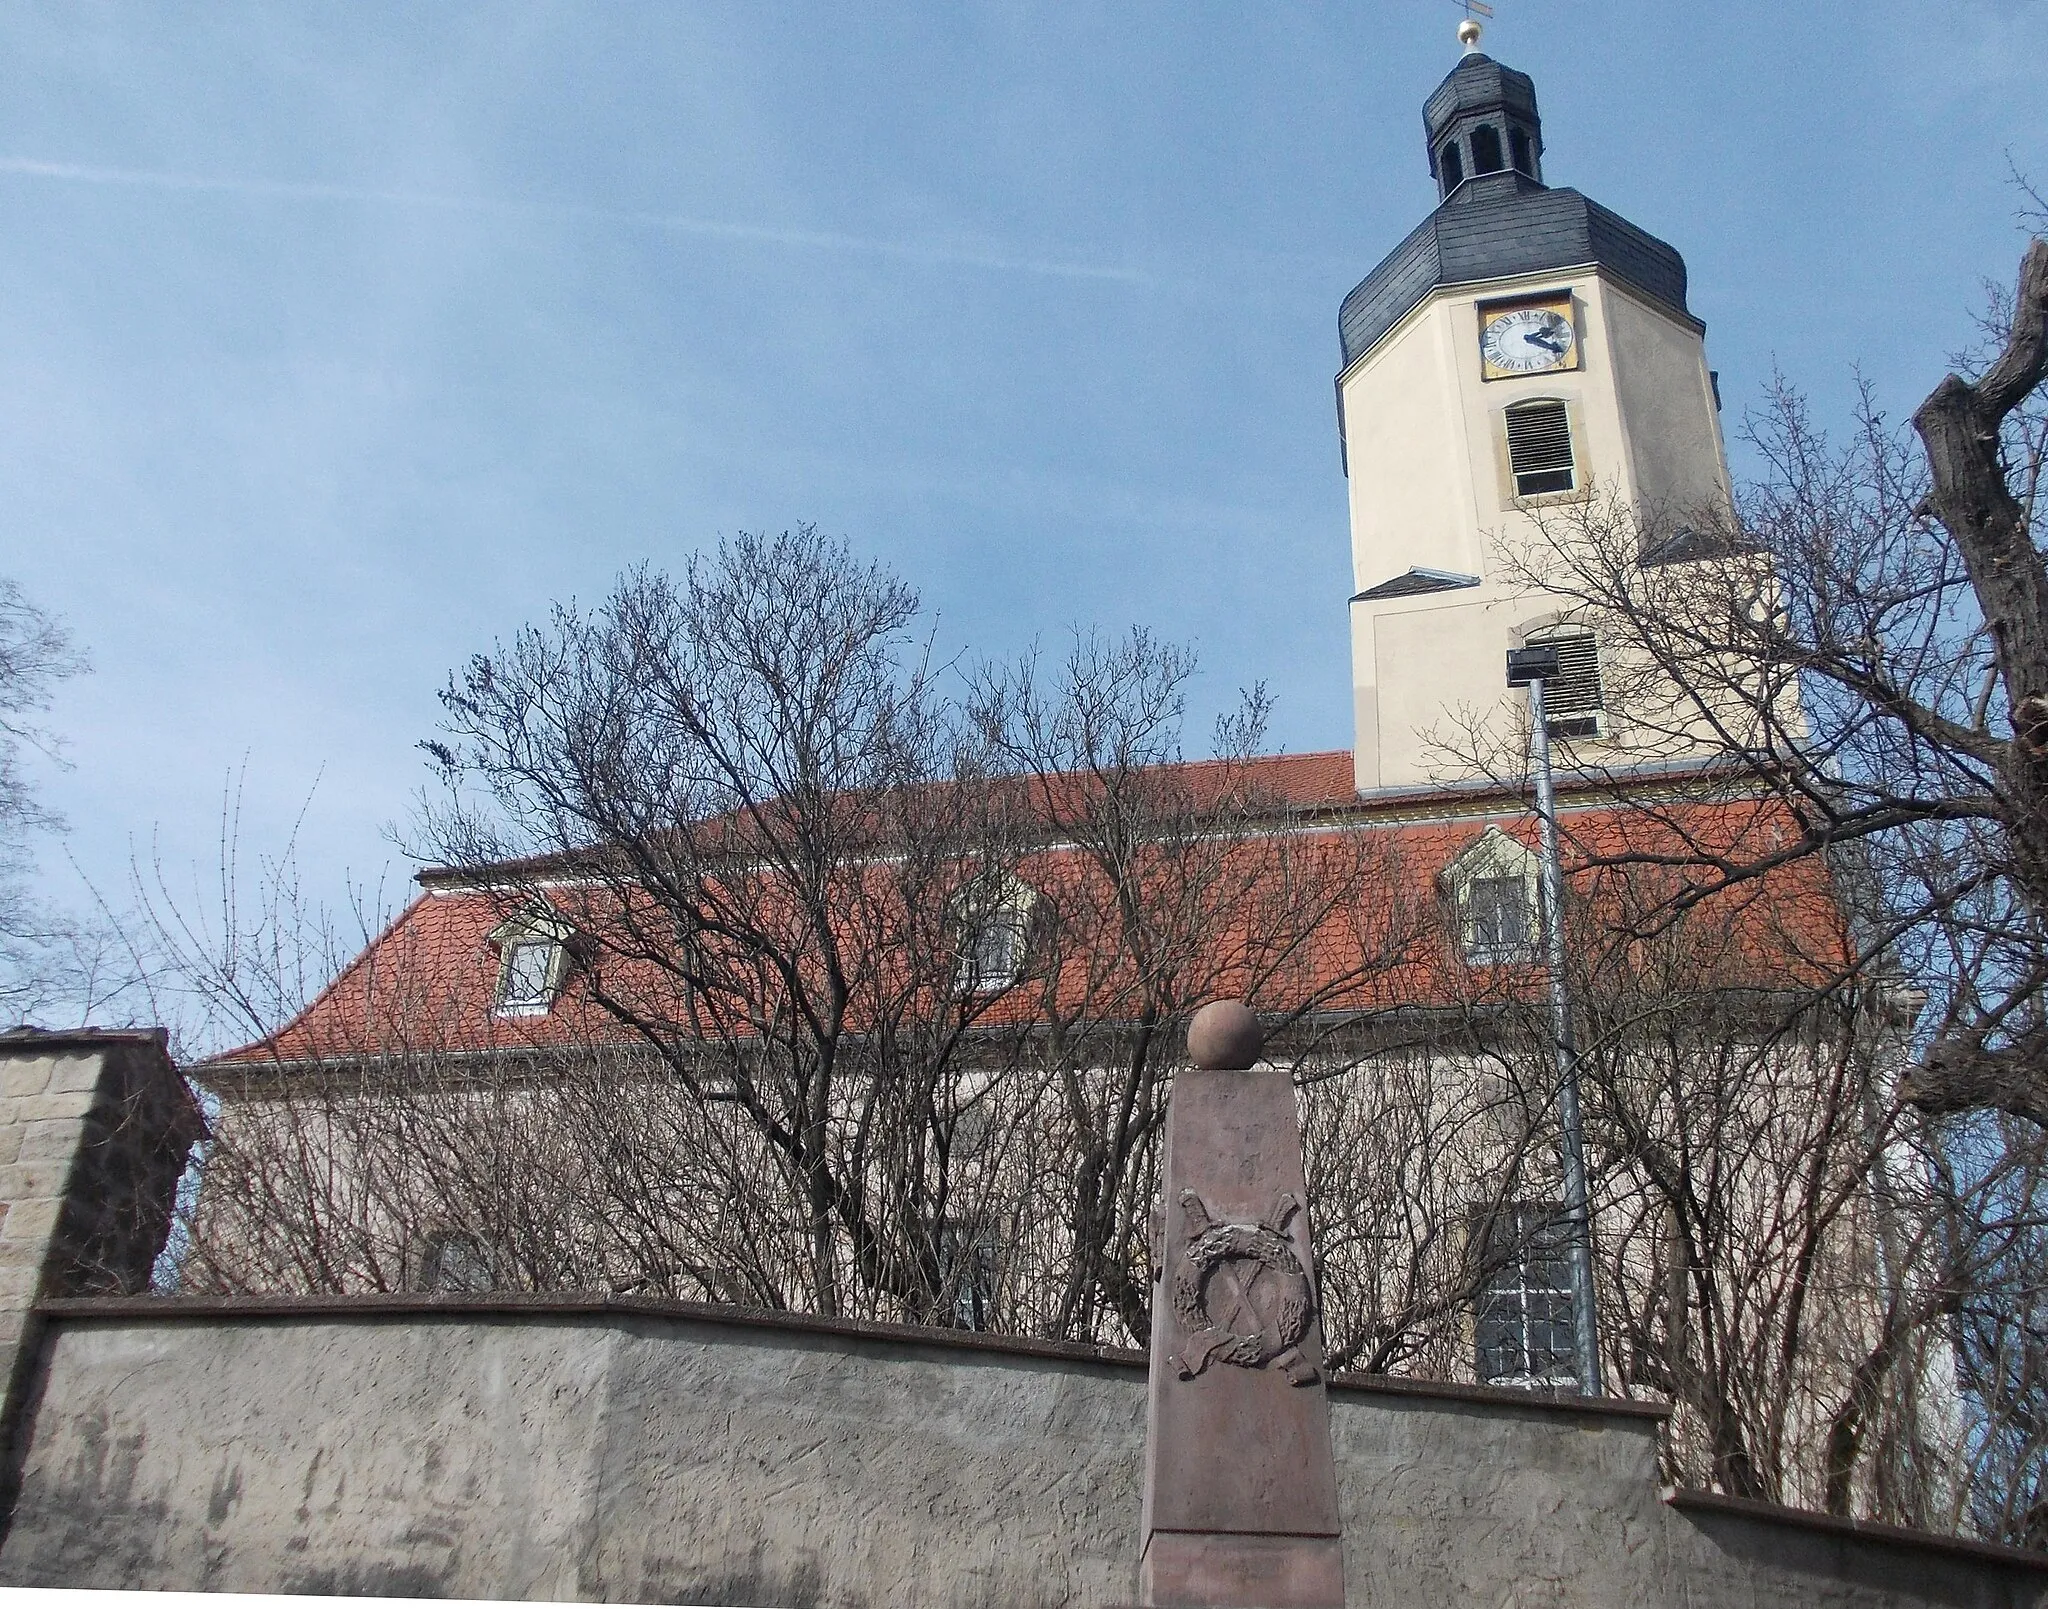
x=337, y=339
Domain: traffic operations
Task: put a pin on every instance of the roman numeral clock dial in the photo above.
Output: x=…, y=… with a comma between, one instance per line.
x=1523, y=340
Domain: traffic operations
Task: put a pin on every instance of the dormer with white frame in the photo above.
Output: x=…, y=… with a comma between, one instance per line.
x=534, y=949
x=1492, y=888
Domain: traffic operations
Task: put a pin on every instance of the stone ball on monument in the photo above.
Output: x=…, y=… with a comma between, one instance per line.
x=1225, y=1037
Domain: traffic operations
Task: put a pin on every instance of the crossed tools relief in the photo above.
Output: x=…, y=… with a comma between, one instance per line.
x=1241, y=1292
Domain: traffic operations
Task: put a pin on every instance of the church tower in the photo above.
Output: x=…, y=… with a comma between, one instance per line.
x=1522, y=350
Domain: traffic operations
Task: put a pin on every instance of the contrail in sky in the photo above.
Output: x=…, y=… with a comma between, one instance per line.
x=957, y=254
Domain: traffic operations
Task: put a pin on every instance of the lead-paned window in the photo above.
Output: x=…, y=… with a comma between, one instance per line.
x=968, y=1255
x=993, y=938
x=1523, y=1317
x=1499, y=919
x=453, y=1261
x=527, y=974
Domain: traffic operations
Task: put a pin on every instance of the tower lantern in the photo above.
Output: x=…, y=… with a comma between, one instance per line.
x=1482, y=121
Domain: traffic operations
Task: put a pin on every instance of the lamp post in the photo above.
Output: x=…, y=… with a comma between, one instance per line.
x=1532, y=668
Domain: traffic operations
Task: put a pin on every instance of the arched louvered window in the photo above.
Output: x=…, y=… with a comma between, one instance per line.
x=1574, y=703
x=1519, y=151
x=1486, y=149
x=1450, y=166
x=1540, y=448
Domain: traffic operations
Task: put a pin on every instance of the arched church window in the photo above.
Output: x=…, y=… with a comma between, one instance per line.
x=1540, y=448
x=1451, y=166
x=1574, y=702
x=1486, y=149
x=1518, y=150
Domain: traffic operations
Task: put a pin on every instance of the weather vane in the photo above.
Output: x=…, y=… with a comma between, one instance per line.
x=1468, y=30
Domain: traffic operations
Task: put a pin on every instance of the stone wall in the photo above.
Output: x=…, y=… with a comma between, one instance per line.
x=637, y=1451
x=95, y=1128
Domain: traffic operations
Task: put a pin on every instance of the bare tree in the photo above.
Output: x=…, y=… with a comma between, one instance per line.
x=1848, y=661
x=1864, y=639
x=43, y=956
x=884, y=992
x=748, y=801
x=1171, y=884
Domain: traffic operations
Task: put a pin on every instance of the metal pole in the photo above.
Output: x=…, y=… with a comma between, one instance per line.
x=1585, y=1322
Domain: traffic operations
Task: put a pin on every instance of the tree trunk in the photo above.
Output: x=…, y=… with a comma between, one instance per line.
x=1960, y=426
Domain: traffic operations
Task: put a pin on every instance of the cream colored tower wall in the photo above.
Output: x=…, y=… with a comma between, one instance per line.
x=1430, y=488
x=1665, y=397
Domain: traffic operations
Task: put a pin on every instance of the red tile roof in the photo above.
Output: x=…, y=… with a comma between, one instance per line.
x=427, y=983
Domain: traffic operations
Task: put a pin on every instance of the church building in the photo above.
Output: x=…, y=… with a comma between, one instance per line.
x=1523, y=360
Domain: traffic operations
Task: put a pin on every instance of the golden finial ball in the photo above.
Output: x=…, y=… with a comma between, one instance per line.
x=1468, y=33
x=1225, y=1037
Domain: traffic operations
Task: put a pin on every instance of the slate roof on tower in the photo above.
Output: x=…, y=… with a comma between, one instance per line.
x=1494, y=225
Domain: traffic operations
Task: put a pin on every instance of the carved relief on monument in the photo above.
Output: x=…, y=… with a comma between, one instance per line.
x=1241, y=1292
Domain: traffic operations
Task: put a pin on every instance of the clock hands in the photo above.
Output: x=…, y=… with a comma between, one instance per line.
x=1507, y=336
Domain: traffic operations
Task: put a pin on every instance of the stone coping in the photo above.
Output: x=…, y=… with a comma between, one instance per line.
x=1688, y=1501
x=28, y=1037
x=542, y=1305
x=1394, y=1385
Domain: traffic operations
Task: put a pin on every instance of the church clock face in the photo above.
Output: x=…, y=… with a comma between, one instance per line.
x=1535, y=338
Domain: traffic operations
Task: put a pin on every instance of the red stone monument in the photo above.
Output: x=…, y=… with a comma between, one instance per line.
x=1240, y=1484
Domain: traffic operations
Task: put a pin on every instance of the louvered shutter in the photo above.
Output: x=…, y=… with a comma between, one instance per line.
x=1540, y=448
x=1573, y=700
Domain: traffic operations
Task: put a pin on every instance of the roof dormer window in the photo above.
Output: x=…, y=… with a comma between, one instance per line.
x=993, y=937
x=1492, y=885
x=533, y=961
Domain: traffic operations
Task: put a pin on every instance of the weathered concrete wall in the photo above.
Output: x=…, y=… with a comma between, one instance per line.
x=626, y=1452
x=608, y=1456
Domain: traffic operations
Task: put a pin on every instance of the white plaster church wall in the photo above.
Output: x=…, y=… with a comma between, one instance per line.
x=1666, y=407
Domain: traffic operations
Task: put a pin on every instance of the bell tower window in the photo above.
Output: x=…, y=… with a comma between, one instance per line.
x=1574, y=702
x=1518, y=150
x=1486, y=149
x=1540, y=448
x=1450, y=166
